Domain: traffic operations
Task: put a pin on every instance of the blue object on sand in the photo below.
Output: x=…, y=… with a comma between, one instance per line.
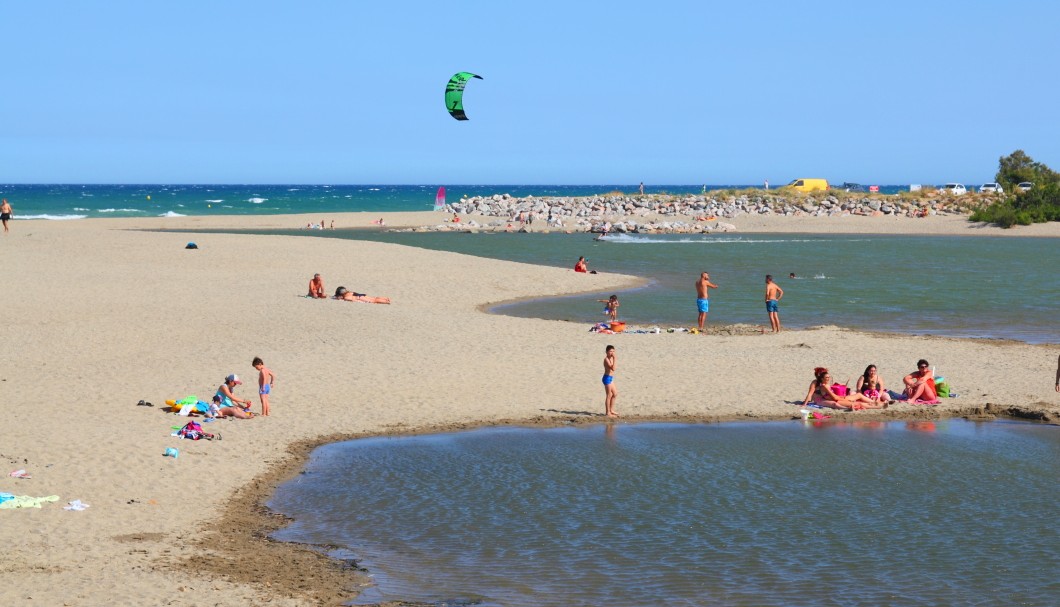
x=191, y=245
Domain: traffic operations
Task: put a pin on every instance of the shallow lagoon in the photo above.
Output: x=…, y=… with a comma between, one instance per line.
x=864, y=513
x=957, y=286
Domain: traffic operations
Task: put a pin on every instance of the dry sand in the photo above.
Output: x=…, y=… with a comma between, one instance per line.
x=98, y=315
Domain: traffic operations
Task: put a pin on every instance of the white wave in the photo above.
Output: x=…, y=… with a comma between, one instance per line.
x=221, y=200
x=171, y=214
x=820, y=277
x=80, y=209
x=119, y=211
x=257, y=200
x=373, y=189
x=87, y=195
x=294, y=189
x=53, y=217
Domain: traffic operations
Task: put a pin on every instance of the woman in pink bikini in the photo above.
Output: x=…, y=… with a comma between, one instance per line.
x=821, y=393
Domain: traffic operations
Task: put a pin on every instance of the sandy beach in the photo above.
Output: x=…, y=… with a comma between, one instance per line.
x=102, y=313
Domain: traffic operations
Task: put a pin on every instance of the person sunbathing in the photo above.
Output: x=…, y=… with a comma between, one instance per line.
x=871, y=385
x=345, y=295
x=822, y=394
x=920, y=384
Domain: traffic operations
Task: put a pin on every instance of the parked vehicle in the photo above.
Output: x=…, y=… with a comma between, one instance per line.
x=1025, y=186
x=809, y=185
x=994, y=188
x=956, y=189
x=854, y=187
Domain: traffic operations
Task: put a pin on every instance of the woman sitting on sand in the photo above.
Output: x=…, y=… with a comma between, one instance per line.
x=345, y=295
x=229, y=405
x=871, y=385
x=821, y=393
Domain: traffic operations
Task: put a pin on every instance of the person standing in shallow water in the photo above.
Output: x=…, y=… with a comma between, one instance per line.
x=610, y=392
x=773, y=295
x=703, y=286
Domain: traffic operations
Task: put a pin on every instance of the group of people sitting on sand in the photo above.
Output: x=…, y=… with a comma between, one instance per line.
x=316, y=291
x=870, y=392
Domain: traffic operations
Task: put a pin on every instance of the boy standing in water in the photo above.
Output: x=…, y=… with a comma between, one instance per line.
x=265, y=379
x=773, y=295
x=611, y=309
x=610, y=392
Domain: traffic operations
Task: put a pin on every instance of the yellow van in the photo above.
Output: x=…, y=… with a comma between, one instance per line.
x=808, y=185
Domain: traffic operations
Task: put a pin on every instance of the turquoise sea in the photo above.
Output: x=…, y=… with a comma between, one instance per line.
x=756, y=514
x=72, y=201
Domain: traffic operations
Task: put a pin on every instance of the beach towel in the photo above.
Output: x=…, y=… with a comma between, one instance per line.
x=26, y=501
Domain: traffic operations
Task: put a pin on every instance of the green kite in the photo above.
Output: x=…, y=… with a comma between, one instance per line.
x=454, y=94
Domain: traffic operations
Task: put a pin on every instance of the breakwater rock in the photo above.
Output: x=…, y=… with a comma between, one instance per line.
x=662, y=213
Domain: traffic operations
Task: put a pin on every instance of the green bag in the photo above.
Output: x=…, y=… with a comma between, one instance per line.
x=942, y=389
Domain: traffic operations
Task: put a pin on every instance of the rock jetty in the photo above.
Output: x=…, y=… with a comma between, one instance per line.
x=662, y=213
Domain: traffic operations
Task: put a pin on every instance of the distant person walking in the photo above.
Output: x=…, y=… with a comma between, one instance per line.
x=773, y=295
x=703, y=286
x=767, y=184
x=1058, y=373
x=610, y=392
x=5, y=214
x=642, y=188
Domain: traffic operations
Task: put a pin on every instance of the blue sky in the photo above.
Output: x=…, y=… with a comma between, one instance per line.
x=573, y=93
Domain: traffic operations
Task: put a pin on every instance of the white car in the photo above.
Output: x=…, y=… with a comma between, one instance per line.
x=991, y=188
x=1025, y=186
x=956, y=189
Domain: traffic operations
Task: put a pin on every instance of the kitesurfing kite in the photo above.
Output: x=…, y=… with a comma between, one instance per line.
x=454, y=94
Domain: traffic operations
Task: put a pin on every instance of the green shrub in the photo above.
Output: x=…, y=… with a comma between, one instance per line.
x=1041, y=204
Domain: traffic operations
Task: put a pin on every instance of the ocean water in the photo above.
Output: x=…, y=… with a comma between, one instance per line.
x=959, y=286
x=757, y=514
x=66, y=201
